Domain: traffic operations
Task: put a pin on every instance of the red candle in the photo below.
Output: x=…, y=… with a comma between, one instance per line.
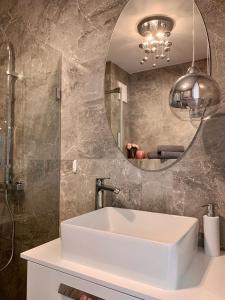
x=140, y=154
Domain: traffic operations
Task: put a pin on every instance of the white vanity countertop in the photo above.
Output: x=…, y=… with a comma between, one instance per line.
x=205, y=279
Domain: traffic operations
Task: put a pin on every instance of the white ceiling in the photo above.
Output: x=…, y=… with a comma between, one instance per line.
x=124, y=50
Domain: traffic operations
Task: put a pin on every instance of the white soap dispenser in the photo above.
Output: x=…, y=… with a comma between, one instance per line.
x=211, y=225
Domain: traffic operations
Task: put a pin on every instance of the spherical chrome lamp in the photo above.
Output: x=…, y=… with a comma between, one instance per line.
x=196, y=95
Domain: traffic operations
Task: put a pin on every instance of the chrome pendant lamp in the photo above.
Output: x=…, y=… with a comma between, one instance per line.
x=196, y=95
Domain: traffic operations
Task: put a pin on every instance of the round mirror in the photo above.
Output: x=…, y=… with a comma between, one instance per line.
x=151, y=47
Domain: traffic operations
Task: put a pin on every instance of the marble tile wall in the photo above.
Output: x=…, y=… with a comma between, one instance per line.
x=81, y=30
x=196, y=180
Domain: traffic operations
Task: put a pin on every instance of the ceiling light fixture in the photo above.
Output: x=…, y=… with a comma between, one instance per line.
x=196, y=93
x=156, y=30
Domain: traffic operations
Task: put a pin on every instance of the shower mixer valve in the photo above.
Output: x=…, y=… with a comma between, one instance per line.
x=19, y=186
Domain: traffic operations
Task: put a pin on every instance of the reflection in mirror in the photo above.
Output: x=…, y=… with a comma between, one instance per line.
x=151, y=47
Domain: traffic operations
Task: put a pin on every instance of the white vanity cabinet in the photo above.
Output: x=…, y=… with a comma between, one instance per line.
x=43, y=283
x=52, y=278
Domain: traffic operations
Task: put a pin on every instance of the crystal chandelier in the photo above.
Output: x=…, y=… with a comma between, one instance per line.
x=156, y=31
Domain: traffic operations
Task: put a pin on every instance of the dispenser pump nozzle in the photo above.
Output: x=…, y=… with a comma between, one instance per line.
x=211, y=209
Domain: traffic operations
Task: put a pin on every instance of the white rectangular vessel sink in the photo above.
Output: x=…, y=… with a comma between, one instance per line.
x=147, y=247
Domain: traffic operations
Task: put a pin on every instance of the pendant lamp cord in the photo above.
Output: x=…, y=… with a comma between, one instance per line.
x=193, y=33
x=208, y=58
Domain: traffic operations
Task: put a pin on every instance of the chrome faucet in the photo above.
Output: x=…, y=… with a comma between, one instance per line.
x=100, y=188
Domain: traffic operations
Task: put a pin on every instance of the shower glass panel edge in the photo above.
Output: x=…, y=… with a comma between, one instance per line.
x=8, y=137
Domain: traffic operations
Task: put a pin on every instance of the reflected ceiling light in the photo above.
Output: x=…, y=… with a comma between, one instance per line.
x=156, y=30
x=196, y=95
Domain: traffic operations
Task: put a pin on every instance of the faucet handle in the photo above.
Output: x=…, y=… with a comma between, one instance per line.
x=210, y=204
x=101, y=179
